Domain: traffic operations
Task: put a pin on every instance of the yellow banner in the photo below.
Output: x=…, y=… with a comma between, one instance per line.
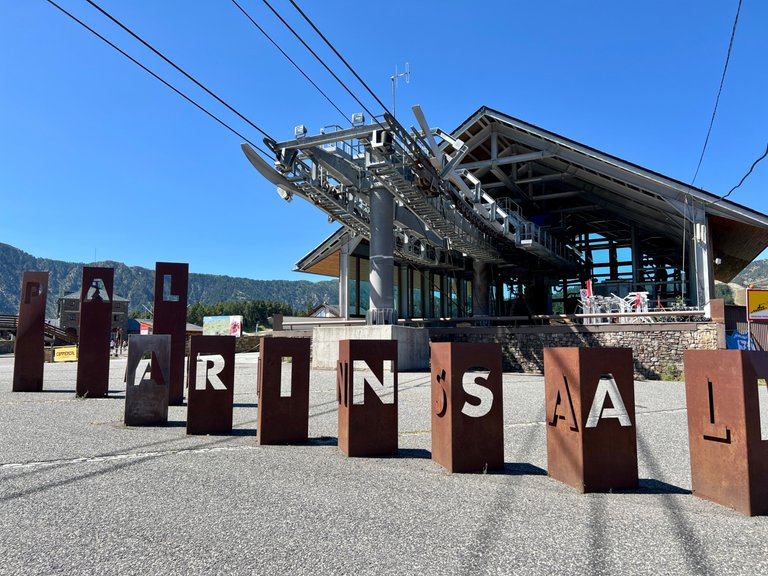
x=757, y=304
x=65, y=354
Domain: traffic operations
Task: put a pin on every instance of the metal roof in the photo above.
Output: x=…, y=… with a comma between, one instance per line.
x=583, y=190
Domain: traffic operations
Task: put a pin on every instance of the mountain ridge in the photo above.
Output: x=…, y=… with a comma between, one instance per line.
x=137, y=284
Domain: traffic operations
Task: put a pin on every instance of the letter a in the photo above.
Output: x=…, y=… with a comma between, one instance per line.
x=607, y=387
x=562, y=408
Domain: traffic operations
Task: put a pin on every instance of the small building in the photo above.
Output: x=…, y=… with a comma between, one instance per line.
x=324, y=311
x=145, y=327
x=68, y=310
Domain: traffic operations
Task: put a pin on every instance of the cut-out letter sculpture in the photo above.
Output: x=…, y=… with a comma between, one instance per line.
x=29, y=353
x=211, y=384
x=729, y=459
x=366, y=391
x=95, y=326
x=170, y=317
x=146, y=397
x=283, y=413
x=467, y=406
x=590, y=413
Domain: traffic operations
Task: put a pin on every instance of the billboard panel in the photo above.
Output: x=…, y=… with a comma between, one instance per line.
x=757, y=304
x=222, y=325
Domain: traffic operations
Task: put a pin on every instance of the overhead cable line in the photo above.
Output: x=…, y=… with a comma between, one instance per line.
x=276, y=45
x=720, y=90
x=308, y=47
x=331, y=46
x=178, y=68
x=743, y=178
x=166, y=83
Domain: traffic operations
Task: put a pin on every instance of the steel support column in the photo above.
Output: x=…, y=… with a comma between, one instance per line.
x=382, y=301
x=701, y=278
x=481, y=286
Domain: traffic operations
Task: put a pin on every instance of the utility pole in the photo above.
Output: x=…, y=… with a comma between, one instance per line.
x=407, y=76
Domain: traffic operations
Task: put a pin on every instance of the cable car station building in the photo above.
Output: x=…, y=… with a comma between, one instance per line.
x=500, y=224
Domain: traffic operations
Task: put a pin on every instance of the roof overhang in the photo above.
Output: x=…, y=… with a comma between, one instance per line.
x=549, y=174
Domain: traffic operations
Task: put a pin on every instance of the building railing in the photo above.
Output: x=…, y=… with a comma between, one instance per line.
x=652, y=316
x=606, y=318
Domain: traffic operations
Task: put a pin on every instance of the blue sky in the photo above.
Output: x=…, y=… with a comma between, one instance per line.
x=98, y=160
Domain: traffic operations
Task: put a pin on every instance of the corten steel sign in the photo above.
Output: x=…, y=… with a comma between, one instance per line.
x=729, y=460
x=467, y=407
x=366, y=391
x=170, y=317
x=590, y=414
x=146, y=397
x=29, y=354
x=211, y=384
x=283, y=413
x=95, y=327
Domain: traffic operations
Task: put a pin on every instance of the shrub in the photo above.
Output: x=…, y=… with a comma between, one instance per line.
x=671, y=372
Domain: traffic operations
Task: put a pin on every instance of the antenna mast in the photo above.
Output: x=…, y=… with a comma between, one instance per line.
x=407, y=76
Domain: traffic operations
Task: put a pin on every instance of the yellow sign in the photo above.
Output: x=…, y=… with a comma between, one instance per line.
x=65, y=354
x=757, y=304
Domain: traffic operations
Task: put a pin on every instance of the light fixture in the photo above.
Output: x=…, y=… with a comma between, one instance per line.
x=284, y=194
x=358, y=118
x=300, y=131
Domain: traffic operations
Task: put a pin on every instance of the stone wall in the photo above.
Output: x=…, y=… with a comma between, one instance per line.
x=247, y=344
x=655, y=347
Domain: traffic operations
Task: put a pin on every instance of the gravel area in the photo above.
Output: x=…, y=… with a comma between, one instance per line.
x=80, y=493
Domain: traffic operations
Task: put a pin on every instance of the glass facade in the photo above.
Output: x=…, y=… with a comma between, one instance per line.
x=359, y=288
x=427, y=294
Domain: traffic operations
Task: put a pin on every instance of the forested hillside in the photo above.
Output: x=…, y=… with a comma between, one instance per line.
x=137, y=284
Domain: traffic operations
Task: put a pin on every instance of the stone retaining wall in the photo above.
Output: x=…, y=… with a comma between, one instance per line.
x=247, y=344
x=655, y=347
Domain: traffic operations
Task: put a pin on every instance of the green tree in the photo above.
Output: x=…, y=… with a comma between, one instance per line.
x=724, y=291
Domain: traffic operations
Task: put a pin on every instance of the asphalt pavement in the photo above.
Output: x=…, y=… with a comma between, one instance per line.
x=80, y=493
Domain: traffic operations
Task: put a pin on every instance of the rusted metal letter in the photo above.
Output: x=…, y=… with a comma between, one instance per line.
x=729, y=460
x=367, y=396
x=170, y=317
x=467, y=406
x=283, y=413
x=211, y=384
x=29, y=353
x=146, y=400
x=590, y=413
x=96, y=295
